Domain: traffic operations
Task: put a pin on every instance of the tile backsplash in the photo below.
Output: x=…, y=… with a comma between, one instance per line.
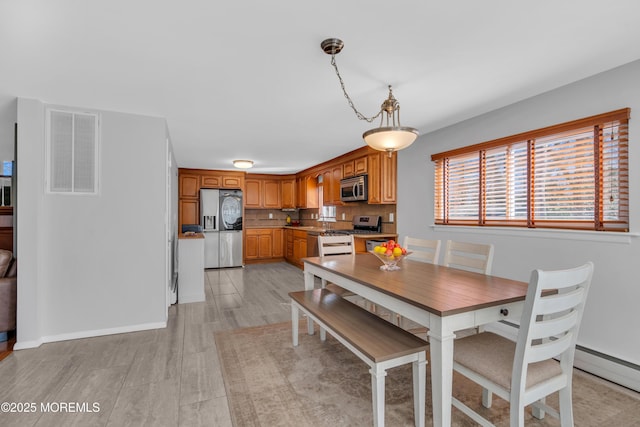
x=261, y=217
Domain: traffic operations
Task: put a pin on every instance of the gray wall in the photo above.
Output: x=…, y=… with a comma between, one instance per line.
x=93, y=265
x=611, y=316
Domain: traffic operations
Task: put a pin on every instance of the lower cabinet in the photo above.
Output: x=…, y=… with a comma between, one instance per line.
x=263, y=244
x=296, y=246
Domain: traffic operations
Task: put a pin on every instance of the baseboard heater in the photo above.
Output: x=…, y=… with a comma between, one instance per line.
x=616, y=370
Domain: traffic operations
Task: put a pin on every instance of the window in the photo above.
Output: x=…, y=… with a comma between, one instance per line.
x=572, y=176
x=72, y=150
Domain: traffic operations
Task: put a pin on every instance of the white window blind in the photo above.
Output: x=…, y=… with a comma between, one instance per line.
x=72, y=139
x=572, y=175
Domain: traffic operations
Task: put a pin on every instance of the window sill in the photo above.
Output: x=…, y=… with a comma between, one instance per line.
x=579, y=235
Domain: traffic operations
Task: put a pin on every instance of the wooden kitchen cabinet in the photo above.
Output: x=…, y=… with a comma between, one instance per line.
x=288, y=192
x=307, y=192
x=262, y=193
x=295, y=246
x=263, y=244
x=188, y=212
x=336, y=176
x=331, y=185
x=232, y=182
x=299, y=246
x=211, y=181
x=382, y=171
x=326, y=187
x=271, y=192
x=222, y=180
x=278, y=243
x=288, y=244
x=354, y=167
x=252, y=193
x=189, y=186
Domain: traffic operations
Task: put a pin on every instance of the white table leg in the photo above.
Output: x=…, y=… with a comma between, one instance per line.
x=419, y=386
x=441, y=372
x=308, y=286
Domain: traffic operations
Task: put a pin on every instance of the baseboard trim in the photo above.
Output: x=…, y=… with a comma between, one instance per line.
x=88, y=334
x=21, y=345
x=610, y=368
x=189, y=298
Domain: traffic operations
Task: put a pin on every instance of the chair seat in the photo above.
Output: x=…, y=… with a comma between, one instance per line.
x=491, y=356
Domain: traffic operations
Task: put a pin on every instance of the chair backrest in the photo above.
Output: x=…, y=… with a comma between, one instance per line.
x=474, y=257
x=335, y=245
x=422, y=249
x=549, y=324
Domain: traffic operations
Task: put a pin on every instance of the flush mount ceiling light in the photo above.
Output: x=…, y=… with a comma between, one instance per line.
x=390, y=136
x=243, y=164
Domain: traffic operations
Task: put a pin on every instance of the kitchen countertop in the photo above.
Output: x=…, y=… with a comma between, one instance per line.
x=312, y=229
x=191, y=236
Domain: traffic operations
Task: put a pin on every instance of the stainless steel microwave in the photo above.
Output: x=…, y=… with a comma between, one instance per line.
x=354, y=189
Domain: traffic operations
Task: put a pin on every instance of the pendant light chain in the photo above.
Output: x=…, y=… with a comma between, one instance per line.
x=346, y=95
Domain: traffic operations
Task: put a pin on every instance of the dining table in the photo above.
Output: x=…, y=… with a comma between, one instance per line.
x=443, y=299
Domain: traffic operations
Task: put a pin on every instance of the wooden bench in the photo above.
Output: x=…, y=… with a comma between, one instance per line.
x=380, y=344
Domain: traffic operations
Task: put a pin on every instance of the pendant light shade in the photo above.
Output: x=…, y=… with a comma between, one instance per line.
x=390, y=139
x=390, y=136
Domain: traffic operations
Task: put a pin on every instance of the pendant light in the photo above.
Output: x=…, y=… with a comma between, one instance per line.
x=390, y=136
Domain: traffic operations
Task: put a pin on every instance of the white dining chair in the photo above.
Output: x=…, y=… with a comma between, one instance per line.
x=422, y=249
x=476, y=257
x=336, y=245
x=525, y=372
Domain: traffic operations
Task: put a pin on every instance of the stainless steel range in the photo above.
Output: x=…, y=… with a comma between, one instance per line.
x=362, y=224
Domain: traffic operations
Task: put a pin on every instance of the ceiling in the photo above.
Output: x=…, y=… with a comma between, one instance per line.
x=248, y=80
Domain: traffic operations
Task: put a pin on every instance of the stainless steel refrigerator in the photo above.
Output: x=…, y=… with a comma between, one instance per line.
x=221, y=220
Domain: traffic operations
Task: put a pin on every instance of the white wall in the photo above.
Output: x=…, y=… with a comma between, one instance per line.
x=8, y=116
x=92, y=265
x=611, y=322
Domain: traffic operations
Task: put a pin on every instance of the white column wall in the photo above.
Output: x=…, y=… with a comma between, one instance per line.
x=611, y=318
x=99, y=263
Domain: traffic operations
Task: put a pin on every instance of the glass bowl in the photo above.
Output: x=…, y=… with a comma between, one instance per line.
x=390, y=263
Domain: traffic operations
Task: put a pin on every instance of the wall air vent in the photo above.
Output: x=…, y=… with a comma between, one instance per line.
x=72, y=151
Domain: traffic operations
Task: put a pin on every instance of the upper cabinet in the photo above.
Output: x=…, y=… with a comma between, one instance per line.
x=220, y=179
x=354, y=167
x=307, y=187
x=288, y=191
x=189, y=185
x=382, y=171
x=262, y=192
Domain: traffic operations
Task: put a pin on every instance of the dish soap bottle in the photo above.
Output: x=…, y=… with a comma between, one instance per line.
x=288, y=220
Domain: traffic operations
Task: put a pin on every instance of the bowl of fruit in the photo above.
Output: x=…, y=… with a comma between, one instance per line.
x=390, y=253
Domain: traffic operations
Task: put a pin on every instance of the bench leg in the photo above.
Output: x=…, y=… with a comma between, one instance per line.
x=294, y=323
x=377, y=395
x=419, y=387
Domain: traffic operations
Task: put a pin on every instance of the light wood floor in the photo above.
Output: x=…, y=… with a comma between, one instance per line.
x=164, y=377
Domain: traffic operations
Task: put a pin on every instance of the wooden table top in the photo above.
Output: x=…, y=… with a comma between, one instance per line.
x=440, y=290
